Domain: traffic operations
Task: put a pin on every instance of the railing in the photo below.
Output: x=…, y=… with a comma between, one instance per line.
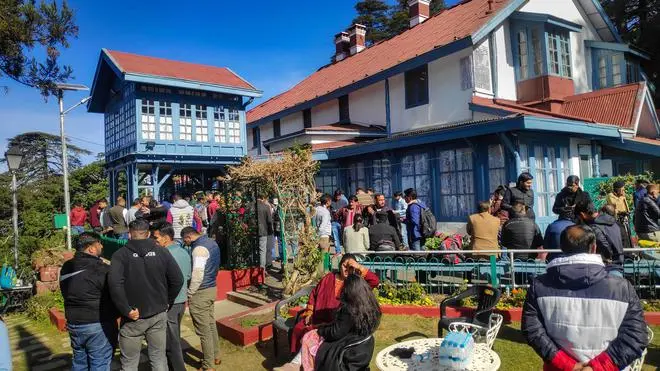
x=439, y=274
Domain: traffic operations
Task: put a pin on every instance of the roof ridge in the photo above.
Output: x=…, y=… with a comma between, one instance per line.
x=172, y=60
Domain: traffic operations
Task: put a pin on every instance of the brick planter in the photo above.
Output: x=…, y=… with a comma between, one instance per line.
x=57, y=319
x=49, y=274
x=236, y=279
x=230, y=327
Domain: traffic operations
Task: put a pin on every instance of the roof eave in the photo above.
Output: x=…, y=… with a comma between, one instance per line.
x=417, y=61
x=189, y=84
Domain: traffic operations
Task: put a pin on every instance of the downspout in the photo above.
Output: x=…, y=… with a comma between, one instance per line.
x=388, y=122
x=509, y=145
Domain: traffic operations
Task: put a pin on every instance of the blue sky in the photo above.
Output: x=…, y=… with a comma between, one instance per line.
x=272, y=44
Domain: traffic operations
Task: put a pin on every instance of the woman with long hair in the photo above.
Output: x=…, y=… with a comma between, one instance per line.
x=356, y=237
x=357, y=319
x=325, y=299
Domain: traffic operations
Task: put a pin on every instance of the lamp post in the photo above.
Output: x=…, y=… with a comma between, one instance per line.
x=14, y=157
x=65, y=164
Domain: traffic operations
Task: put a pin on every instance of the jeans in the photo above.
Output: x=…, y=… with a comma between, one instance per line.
x=173, y=350
x=131, y=334
x=202, y=312
x=77, y=229
x=93, y=345
x=336, y=235
x=265, y=258
x=416, y=245
x=404, y=234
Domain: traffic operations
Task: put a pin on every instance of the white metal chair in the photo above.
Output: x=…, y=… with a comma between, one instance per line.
x=639, y=362
x=480, y=333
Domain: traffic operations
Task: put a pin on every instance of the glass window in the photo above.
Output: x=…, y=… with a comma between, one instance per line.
x=417, y=86
x=617, y=61
x=276, y=128
x=201, y=124
x=185, y=122
x=602, y=71
x=220, y=126
x=536, y=52
x=165, y=121
x=559, y=53
x=632, y=71
x=234, y=126
x=522, y=54
x=148, y=120
x=416, y=174
x=344, y=111
x=381, y=177
x=356, y=176
x=307, y=118
x=326, y=180
x=466, y=73
x=457, y=197
x=496, y=166
x=550, y=167
x=481, y=65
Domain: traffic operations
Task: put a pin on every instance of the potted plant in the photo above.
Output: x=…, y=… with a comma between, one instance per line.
x=48, y=262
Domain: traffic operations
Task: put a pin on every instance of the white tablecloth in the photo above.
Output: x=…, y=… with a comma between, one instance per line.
x=483, y=359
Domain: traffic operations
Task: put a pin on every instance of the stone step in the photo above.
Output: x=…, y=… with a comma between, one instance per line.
x=248, y=299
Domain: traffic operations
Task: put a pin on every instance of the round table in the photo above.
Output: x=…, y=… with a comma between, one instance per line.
x=483, y=359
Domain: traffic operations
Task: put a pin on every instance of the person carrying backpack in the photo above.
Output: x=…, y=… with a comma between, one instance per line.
x=420, y=221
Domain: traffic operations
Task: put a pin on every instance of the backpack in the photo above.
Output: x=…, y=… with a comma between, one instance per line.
x=453, y=243
x=428, y=222
x=7, y=277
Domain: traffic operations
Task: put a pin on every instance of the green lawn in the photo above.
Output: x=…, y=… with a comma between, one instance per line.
x=510, y=345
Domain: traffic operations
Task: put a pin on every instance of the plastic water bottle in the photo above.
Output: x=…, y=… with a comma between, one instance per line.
x=456, y=350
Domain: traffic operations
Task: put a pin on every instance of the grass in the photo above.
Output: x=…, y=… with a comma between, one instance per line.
x=512, y=348
x=256, y=320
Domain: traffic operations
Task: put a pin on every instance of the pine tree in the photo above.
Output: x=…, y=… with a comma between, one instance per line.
x=373, y=15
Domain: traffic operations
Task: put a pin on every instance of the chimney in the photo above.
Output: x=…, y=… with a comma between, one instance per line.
x=418, y=11
x=357, y=36
x=342, y=46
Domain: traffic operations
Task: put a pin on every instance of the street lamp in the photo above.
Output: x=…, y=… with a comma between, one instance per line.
x=14, y=157
x=65, y=164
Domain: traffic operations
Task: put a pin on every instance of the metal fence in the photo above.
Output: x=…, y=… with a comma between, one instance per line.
x=440, y=274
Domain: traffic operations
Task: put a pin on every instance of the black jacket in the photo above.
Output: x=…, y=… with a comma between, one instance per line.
x=515, y=194
x=343, y=349
x=608, y=239
x=382, y=232
x=521, y=233
x=144, y=276
x=84, y=285
x=647, y=214
x=566, y=198
x=264, y=219
x=579, y=308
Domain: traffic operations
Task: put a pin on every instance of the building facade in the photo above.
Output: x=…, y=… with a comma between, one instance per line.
x=168, y=125
x=464, y=101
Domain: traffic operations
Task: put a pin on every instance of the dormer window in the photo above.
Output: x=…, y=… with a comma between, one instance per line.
x=614, y=64
x=541, y=45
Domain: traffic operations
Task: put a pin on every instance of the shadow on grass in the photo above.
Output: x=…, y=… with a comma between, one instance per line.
x=653, y=355
x=410, y=336
x=36, y=352
x=191, y=356
x=511, y=334
x=266, y=349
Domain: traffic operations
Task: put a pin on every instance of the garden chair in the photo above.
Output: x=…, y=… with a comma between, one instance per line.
x=639, y=362
x=483, y=334
x=287, y=324
x=487, y=298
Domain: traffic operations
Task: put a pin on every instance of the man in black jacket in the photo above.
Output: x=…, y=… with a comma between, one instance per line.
x=382, y=236
x=609, y=243
x=647, y=215
x=570, y=195
x=576, y=315
x=90, y=314
x=520, y=232
x=144, y=281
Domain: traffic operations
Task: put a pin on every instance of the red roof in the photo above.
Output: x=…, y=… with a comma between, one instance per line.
x=140, y=64
x=332, y=145
x=616, y=106
x=452, y=24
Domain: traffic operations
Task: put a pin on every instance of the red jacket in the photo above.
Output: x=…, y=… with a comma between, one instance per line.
x=78, y=217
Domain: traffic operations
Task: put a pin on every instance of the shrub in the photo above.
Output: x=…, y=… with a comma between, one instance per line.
x=412, y=293
x=605, y=187
x=37, y=306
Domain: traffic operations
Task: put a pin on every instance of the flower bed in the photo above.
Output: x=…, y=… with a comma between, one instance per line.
x=236, y=279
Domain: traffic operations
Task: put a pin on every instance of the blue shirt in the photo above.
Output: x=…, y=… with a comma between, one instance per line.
x=638, y=195
x=184, y=262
